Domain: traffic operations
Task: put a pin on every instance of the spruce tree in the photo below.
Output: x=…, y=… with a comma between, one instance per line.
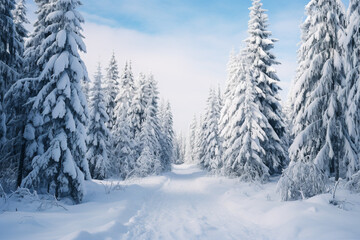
x=261, y=62
x=193, y=154
x=16, y=99
x=352, y=90
x=112, y=89
x=98, y=133
x=151, y=99
x=211, y=160
x=20, y=19
x=321, y=147
x=149, y=162
x=179, y=155
x=123, y=139
x=11, y=50
x=234, y=70
x=33, y=50
x=59, y=166
x=167, y=135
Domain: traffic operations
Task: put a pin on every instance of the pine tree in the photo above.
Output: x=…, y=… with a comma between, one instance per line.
x=123, y=139
x=234, y=71
x=138, y=105
x=20, y=19
x=167, y=135
x=124, y=153
x=86, y=86
x=112, y=89
x=352, y=90
x=261, y=62
x=179, y=154
x=211, y=160
x=98, y=133
x=11, y=50
x=149, y=162
x=193, y=154
x=321, y=147
x=16, y=99
x=245, y=130
x=60, y=108
x=33, y=51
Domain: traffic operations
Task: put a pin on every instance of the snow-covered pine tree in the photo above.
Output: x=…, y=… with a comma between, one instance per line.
x=211, y=159
x=149, y=162
x=124, y=148
x=200, y=147
x=234, y=71
x=247, y=154
x=60, y=109
x=151, y=101
x=321, y=147
x=11, y=60
x=138, y=105
x=20, y=19
x=86, y=86
x=124, y=151
x=98, y=133
x=33, y=50
x=15, y=101
x=261, y=62
x=112, y=89
x=244, y=130
x=192, y=151
x=167, y=135
x=179, y=155
x=352, y=87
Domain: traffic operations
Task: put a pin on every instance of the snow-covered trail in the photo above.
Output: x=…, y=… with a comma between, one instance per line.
x=188, y=206
x=185, y=204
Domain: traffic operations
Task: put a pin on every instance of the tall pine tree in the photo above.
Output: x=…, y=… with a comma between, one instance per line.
x=321, y=147
x=60, y=109
x=112, y=89
x=98, y=133
x=352, y=89
x=261, y=62
x=211, y=160
x=167, y=135
x=11, y=60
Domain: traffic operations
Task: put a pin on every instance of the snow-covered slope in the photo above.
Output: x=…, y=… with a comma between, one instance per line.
x=183, y=204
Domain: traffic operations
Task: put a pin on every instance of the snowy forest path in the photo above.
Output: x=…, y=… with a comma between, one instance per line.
x=185, y=203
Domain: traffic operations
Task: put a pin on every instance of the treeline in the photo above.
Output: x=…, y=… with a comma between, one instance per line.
x=313, y=140
x=130, y=133
x=49, y=140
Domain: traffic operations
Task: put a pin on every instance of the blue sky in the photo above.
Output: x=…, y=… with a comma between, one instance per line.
x=186, y=43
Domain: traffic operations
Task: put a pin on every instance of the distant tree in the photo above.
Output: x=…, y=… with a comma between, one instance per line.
x=149, y=162
x=98, y=133
x=167, y=135
x=112, y=89
x=179, y=149
x=211, y=159
x=138, y=105
x=193, y=150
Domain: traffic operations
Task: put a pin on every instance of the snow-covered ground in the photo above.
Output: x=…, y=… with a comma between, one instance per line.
x=184, y=204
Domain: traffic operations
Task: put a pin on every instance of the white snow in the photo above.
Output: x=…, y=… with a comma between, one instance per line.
x=183, y=204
